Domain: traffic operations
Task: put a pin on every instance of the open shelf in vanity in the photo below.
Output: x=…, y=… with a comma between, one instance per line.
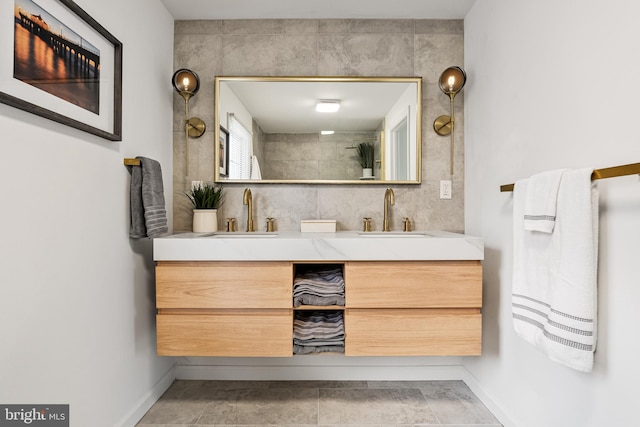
x=318, y=301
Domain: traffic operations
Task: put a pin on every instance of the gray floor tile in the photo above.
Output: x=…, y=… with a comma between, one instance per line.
x=186, y=390
x=397, y=384
x=318, y=384
x=318, y=403
x=238, y=385
x=374, y=406
x=174, y=411
x=195, y=391
x=454, y=403
x=173, y=425
x=461, y=425
x=169, y=425
x=277, y=406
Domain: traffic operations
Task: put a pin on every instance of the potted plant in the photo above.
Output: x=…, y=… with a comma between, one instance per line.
x=365, y=157
x=206, y=198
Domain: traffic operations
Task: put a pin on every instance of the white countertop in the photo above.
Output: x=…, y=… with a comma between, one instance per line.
x=338, y=246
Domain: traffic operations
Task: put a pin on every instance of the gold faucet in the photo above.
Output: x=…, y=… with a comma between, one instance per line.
x=389, y=199
x=248, y=200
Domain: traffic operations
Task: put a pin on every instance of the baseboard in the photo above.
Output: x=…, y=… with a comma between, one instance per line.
x=146, y=402
x=495, y=409
x=313, y=372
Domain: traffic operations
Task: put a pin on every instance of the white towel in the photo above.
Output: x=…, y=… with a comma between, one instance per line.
x=255, y=168
x=554, y=298
x=541, y=200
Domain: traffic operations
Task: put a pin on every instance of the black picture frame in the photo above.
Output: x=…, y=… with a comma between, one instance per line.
x=105, y=120
x=223, y=152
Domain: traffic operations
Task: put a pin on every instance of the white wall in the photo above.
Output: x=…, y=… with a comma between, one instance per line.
x=555, y=85
x=76, y=295
x=232, y=105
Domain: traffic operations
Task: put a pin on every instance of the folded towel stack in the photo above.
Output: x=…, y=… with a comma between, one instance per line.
x=318, y=331
x=319, y=287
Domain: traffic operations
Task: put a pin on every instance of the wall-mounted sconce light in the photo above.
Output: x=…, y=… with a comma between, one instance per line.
x=327, y=106
x=451, y=82
x=187, y=84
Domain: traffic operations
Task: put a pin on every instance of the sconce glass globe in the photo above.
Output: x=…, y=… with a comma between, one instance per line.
x=186, y=82
x=452, y=80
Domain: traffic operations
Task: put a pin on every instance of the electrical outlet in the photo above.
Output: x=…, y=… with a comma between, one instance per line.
x=445, y=189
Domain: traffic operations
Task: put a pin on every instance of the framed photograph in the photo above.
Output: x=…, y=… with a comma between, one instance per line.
x=223, y=152
x=60, y=64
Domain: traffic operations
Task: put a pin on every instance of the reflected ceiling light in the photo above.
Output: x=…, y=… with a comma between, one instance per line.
x=187, y=84
x=327, y=106
x=451, y=82
x=327, y=132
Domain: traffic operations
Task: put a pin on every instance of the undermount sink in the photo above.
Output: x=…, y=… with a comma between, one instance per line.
x=242, y=234
x=394, y=234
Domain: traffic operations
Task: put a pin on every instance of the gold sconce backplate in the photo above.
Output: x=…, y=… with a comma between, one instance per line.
x=196, y=127
x=442, y=125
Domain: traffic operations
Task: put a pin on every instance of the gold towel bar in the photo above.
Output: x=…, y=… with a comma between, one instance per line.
x=131, y=162
x=630, y=169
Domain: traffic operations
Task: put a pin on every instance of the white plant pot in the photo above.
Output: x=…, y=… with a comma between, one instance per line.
x=205, y=220
x=367, y=172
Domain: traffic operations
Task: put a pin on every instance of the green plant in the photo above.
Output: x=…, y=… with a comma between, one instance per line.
x=205, y=196
x=365, y=154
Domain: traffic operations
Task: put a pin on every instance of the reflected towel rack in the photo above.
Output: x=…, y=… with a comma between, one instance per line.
x=612, y=172
x=131, y=162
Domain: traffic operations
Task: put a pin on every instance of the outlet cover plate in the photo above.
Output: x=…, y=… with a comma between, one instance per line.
x=445, y=190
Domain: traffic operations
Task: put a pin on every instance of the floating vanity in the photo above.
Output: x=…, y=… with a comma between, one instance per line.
x=406, y=294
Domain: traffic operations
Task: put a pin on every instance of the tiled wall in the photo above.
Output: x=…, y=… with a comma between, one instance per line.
x=397, y=48
x=315, y=156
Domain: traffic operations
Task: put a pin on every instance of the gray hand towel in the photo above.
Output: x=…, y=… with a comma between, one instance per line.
x=148, y=212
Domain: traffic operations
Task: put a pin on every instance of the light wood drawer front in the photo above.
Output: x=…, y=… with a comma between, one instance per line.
x=432, y=284
x=224, y=285
x=263, y=333
x=413, y=332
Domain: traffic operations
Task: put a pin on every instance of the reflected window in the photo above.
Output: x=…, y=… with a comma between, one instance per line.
x=400, y=151
x=239, y=150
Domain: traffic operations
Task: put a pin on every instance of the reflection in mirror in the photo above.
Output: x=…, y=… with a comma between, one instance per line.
x=269, y=130
x=399, y=151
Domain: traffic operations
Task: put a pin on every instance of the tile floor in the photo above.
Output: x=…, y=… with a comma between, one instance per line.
x=318, y=403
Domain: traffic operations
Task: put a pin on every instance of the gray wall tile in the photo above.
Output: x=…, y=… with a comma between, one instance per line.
x=269, y=55
x=270, y=26
x=365, y=54
x=439, y=26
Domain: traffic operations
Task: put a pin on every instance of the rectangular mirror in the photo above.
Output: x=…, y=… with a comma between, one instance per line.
x=268, y=130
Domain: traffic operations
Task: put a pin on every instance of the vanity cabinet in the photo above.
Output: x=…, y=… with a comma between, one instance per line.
x=392, y=308
x=413, y=308
x=224, y=308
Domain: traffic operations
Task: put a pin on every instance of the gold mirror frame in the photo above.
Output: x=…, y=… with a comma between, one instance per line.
x=417, y=126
